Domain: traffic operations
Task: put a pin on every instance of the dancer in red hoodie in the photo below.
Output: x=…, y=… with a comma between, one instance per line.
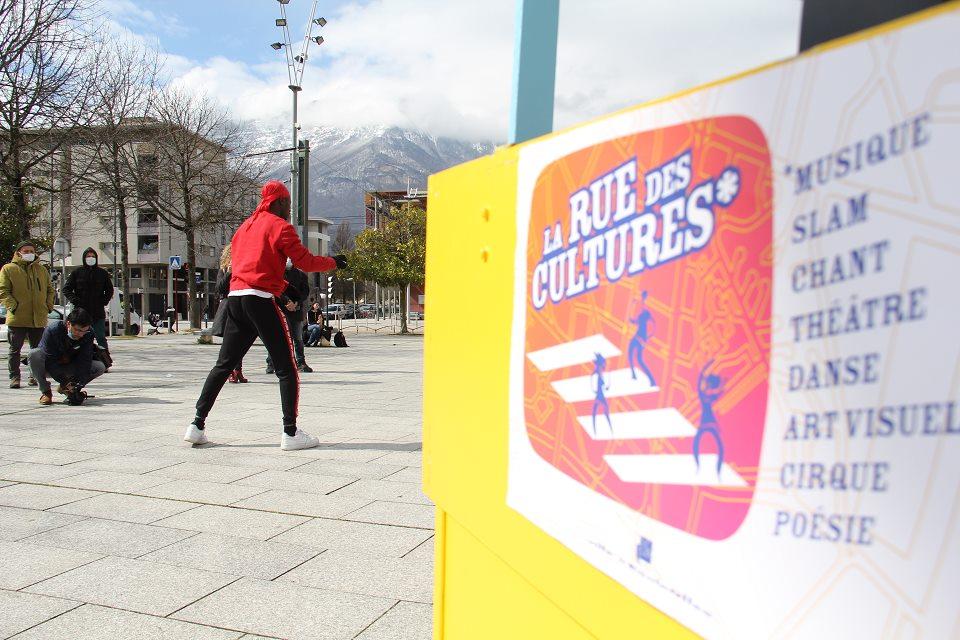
x=260, y=249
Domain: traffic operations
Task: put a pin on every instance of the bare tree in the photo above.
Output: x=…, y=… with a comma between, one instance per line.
x=121, y=102
x=45, y=91
x=343, y=238
x=196, y=177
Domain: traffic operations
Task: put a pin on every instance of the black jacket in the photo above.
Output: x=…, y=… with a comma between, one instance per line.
x=61, y=351
x=298, y=290
x=89, y=288
x=315, y=317
x=223, y=289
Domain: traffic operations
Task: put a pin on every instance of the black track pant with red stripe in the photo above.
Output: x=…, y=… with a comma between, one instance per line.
x=248, y=317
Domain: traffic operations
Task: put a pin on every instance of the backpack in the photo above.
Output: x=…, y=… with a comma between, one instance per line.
x=339, y=340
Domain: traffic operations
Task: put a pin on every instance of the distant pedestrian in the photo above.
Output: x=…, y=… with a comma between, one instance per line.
x=260, y=248
x=66, y=353
x=220, y=318
x=291, y=302
x=27, y=293
x=89, y=288
x=315, y=322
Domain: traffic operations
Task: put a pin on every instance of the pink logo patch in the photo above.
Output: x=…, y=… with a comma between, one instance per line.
x=649, y=277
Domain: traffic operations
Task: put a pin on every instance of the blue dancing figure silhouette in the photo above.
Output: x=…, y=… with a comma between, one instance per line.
x=600, y=402
x=710, y=388
x=645, y=324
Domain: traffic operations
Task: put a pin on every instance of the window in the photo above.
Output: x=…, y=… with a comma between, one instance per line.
x=147, y=216
x=148, y=244
x=134, y=272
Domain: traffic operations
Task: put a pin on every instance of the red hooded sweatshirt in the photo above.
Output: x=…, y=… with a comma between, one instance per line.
x=262, y=244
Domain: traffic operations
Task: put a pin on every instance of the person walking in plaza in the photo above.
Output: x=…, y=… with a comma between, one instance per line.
x=220, y=318
x=27, y=293
x=66, y=353
x=259, y=249
x=314, y=324
x=89, y=288
x=291, y=302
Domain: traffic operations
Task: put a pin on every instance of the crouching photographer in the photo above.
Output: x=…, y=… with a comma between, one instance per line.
x=66, y=352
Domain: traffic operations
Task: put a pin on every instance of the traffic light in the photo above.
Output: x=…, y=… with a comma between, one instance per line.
x=329, y=285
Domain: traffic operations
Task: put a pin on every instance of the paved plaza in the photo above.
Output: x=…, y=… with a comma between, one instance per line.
x=112, y=527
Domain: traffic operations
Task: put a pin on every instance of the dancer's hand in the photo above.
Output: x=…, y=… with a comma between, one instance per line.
x=341, y=261
x=291, y=306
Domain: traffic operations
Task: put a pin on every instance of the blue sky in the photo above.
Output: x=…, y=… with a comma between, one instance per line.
x=444, y=66
x=202, y=29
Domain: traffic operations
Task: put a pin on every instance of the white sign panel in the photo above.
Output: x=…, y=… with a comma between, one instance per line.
x=734, y=367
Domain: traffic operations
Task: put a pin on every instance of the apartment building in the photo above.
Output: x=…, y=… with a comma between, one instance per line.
x=85, y=218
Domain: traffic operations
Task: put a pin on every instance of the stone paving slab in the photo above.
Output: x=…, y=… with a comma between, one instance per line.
x=33, y=496
x=110, y=537
x=17, y=524
x=235, y=522
x=406, y=621
x=111, y=481
x=397, y=578
x=234, y=555
x=373, y=539
x=295, y=481
x=119, y=506
x=113, y=527
x=34, y=472
x=403, y=515
x=201, y=492
x=134, y=585
x=286, y=610
x=205, y=472
x=22, y=611
x=22, y=564
x=304, y=504
x=91, y=622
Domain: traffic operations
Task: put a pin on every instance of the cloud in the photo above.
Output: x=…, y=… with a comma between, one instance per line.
x=446, y=67
x=135, y=17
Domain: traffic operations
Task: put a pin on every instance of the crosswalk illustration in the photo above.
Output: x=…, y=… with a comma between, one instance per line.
x=655, y=468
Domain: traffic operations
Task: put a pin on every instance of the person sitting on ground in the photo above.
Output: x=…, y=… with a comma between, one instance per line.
x=66, y=353
x=314, y=325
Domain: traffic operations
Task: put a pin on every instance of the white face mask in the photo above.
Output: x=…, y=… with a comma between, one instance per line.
x=90, y=260
x=28, y=257
x=289, y=263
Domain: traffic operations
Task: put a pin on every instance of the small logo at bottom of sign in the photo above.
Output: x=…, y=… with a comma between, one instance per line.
x=645, y=550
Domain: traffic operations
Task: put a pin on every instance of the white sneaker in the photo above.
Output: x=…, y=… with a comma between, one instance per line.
x=194, y=435
x=301, y=440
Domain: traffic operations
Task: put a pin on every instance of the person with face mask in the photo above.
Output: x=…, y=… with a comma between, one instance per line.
x=90, y=288
x=66, y=354
x=27, y=293
x=260, y=249
x=291, y=302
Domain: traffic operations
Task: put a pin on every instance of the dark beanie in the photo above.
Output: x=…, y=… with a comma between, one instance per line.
x=25, y=243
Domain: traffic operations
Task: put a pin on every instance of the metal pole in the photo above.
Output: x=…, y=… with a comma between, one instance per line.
x=116, y=223
x=294, y=162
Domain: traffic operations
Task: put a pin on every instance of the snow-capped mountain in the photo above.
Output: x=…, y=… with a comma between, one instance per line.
x=346, y=162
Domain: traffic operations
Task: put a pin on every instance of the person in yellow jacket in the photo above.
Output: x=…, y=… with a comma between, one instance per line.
x=27, y=293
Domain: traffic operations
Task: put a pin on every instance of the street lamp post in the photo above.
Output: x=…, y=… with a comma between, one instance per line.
x=295, y=67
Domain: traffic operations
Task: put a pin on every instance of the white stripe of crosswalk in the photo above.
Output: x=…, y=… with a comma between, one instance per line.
x=571, y=353
x=620, y=382
x=678, y=469
x=639, y=425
